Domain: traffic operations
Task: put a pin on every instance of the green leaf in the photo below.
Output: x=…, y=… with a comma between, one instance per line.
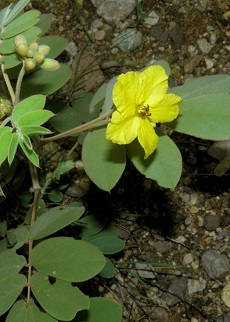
x=28, y=105
x=67, y=259
x=98, y=97
x=91, y=225
x=20, y=235
x=55, y=196
x=202, y=86
x=15, y=10
x=60, y=299
x=22, y=23
x=5, y=140
x=7, y=46
x=11, y=60
x=24, y=312
x=44, y=82
x=10, y=287
x=11, y=263
x=4, y=13
x=206, y=117
x=165, y=65
x=63, y=167
x=164, y=165
x=106, y=231
x=108, y=270
x=34, y=118
x=54, y=220
x=30, y=154
x=108, y=103
x=81, y=105
x=104, y=161
x=13, y=147
x=34, y=130
x=107, y=244
x=44, y=22
x=56, y=43
x=101, y=309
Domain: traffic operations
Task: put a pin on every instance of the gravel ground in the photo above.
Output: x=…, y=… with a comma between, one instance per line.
x=188, y=226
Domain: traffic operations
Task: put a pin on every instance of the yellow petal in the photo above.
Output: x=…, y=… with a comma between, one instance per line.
x=147, y=137
x=122, y=130
x=155, y=84
x=167, y=110
x=128, y=93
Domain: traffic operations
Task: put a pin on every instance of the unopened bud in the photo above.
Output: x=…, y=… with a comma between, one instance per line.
x=20, y=40
x=44, y=49
x=50, y=64
x=29, y=53
x=21, y=49
x=38, y=57
x=34, y=47
x=5, y=108
x=30, y=64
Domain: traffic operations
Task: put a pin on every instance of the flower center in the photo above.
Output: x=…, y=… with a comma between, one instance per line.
x=143, y=111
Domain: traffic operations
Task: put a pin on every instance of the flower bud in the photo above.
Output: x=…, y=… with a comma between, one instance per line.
x=50, y=64
x=29, y=53
x=44, y=49
x=20, y=40
x=30, y=64
x=34, y=47
x=5, y=107
x=38, y=57
x=21, y=49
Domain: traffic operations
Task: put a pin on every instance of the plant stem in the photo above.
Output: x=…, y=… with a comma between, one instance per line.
x=36, y=187
x=81, y=128
x=19, y=84
x=8, y=84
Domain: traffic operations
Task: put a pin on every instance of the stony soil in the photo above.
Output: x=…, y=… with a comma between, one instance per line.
x=178, y=226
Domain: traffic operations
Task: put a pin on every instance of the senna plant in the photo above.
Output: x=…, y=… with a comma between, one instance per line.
x=40, y=277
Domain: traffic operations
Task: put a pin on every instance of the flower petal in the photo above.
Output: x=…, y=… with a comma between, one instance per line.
x=127, y=93
x=155, y=84
x=167, y=110
x=122, y=130
x=147, y=137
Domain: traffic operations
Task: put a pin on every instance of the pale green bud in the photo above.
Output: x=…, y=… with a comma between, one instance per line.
x=30, y=64
x=19, y=39
x=44, y=49
x=21, y=49
x=38, y=57
x=50, y=64
x=34, y=47
x=29, y=53
x=5, y=108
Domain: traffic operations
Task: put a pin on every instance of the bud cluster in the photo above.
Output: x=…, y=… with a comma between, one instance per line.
x=5, y=108
x=34, y=55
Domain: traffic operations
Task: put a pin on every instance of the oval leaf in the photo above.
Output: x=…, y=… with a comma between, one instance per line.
x=206, y=117
x=107, y=244
x=30, y=104
x=22, y=23
x=104, y=161
x=10, y=287
x=164, y=165
x=22, y=312
x=60, y=299
x=44, y=82
x=34, y=118
x=108, y=270
x=67, y=259
x=54, y=220
x=11, y=263
x=101, y=309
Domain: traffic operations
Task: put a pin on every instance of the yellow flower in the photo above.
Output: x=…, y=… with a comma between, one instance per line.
x=141, y=102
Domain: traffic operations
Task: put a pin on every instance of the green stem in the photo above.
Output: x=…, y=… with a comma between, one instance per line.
x=19, y=83
x=36, y=188
x=81, y=128
x=8, y=84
